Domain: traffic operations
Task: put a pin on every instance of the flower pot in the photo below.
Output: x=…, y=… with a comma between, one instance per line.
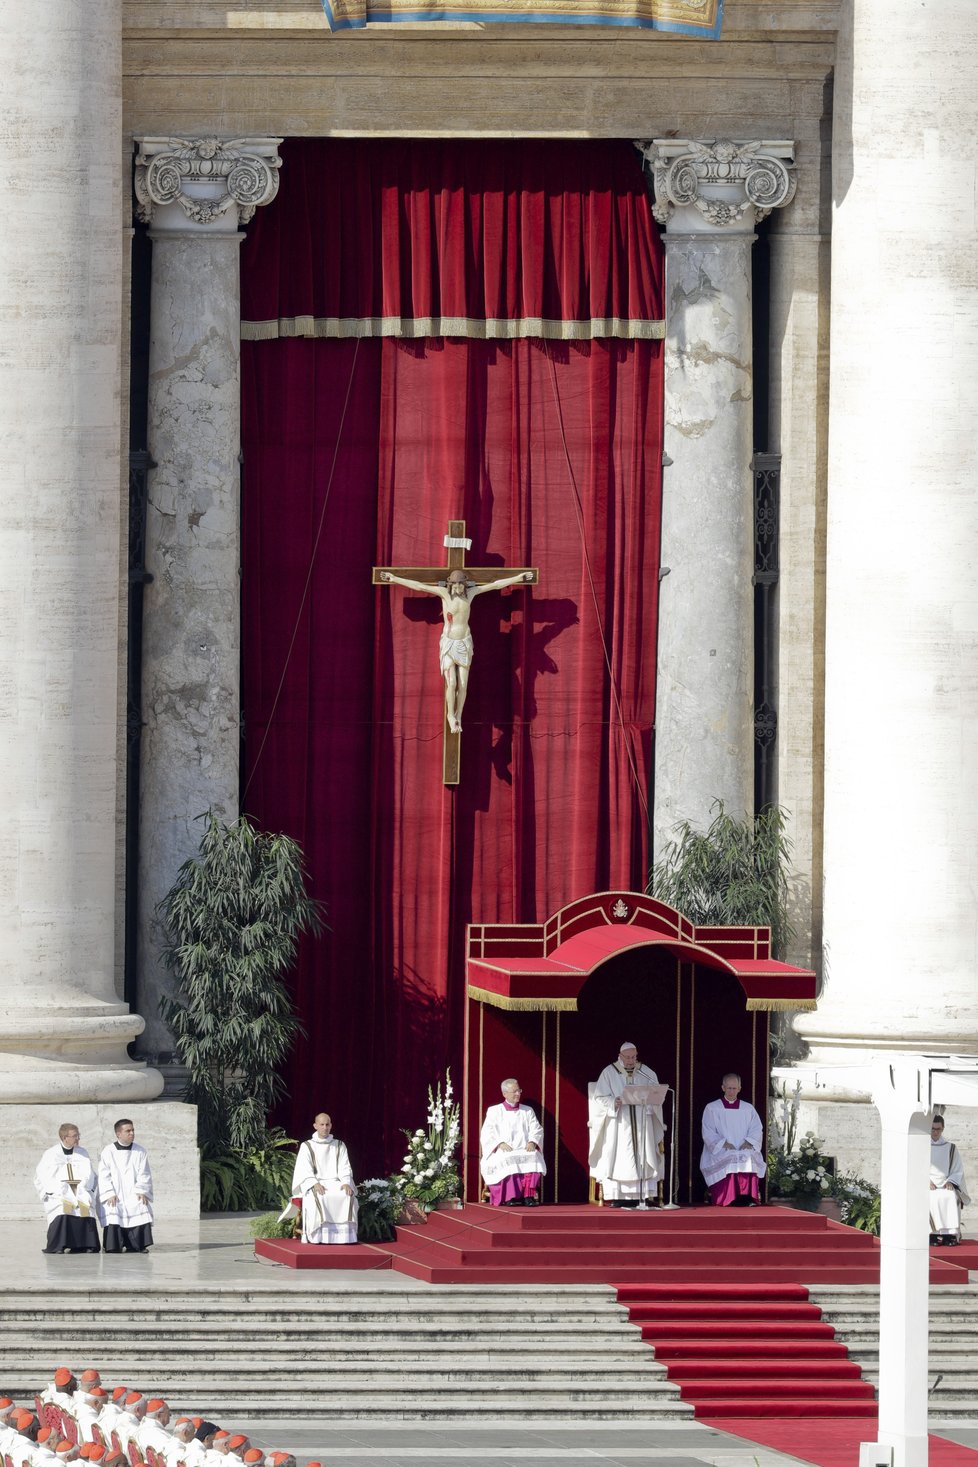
x=448, y=1204
x=411, y=1212
x=825, y=1206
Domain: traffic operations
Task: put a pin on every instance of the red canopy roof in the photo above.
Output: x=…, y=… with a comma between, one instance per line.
x=545, y=965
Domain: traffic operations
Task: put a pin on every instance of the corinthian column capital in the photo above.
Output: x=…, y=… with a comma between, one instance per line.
x=204, y=183
x=726, y=184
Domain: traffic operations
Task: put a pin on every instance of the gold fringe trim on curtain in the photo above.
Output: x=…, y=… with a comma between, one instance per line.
x=415, y=328
x=781, y=1005
x=529, y=1005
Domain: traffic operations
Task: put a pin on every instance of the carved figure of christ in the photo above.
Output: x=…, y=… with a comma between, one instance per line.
x=456, y=586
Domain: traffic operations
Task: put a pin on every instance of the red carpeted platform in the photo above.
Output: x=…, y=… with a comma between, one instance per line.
x=308, y=1255
x=703, y=1245
x=832, y=1443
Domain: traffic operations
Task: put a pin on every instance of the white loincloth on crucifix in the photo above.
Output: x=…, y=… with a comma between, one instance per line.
x=456, y=585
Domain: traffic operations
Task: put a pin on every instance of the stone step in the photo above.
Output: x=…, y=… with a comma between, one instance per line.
x=445, y=1405
x=108, y=1347
x=361, y=1375
x=205, y=1318
x=947, y=1349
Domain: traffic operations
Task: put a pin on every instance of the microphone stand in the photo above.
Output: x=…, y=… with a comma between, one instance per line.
x=643, y=1205
x=672, y=1205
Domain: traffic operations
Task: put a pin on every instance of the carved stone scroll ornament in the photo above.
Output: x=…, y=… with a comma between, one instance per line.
x=720, y=179
x=206, y=176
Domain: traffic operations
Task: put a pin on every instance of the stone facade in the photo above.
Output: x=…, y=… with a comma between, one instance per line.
x=877, y=480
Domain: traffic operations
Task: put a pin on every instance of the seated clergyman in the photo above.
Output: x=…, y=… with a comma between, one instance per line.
x=511, y=1149
x=733, y=1148
x=323, y=1178
x=947, y=1192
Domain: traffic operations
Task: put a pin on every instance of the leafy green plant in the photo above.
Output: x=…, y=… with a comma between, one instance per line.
x=430, y=1171
x=805, y=1174
x=242, y=1181
x=269, y=1226
x=859, y=1202
x=380, y=1200
x=230, y=927
x=733, y=873
x=784, y=1115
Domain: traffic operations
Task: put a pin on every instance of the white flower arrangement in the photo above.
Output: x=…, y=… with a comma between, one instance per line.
x=430, y=1170
x=801, y=1173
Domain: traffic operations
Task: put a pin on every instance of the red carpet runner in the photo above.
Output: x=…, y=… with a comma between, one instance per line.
x=761, y=1350
x=833, y=1443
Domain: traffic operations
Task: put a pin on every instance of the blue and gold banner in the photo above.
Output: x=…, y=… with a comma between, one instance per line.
x=702, y=18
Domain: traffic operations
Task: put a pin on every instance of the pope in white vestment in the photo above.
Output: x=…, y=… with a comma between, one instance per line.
x=732, y=1161
x=125, y=1187
x=947, y=1190
x=625, y=1153
x=323, y=1178
x=66, y=1183
x=510, y=1150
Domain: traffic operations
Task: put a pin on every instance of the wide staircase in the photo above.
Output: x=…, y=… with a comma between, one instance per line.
x=337, y=1352
x=854, y=1314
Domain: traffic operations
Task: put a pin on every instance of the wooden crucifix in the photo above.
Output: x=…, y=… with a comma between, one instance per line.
x=456, y=585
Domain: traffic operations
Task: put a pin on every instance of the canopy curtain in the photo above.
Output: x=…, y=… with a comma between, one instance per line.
x=357, y=452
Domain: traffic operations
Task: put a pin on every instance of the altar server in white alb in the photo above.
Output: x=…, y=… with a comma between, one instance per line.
x=125, y=1188
x=323, y=1178
x=733, y=1148
x=511, y=1151
x=947, y=1191
x=66, y=1183
x=626, y=1147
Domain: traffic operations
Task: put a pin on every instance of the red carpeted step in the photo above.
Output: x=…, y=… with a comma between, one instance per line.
x=638, y=1293
x=685, y=1349
x=816, y=1388
x=725, y=1308
x=735, y=1406
x=691, y=1261
x=762, y=1368
x=687, y=1241
x=725, y=1220
x=737, y=1330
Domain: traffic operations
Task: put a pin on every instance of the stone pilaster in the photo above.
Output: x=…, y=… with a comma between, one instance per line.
x=63, y=1030
x=709, y=196
x=195, y=195
x=901, y=694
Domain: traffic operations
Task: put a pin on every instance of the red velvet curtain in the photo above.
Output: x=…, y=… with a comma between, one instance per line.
x=393, y=232
x=356, y=454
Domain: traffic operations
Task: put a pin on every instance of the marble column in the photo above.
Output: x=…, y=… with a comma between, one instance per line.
x=195, y=194
x=709, y=196
x=901, y=688
x=63, y=1030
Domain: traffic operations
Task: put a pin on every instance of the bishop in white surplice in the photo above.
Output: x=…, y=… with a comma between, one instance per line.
x=732, y=1161
x=511, y=1151
x=66, y=1183
x=125, y=1188
x=947, y=1192
x=323, y=1178
x=626, y=1148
